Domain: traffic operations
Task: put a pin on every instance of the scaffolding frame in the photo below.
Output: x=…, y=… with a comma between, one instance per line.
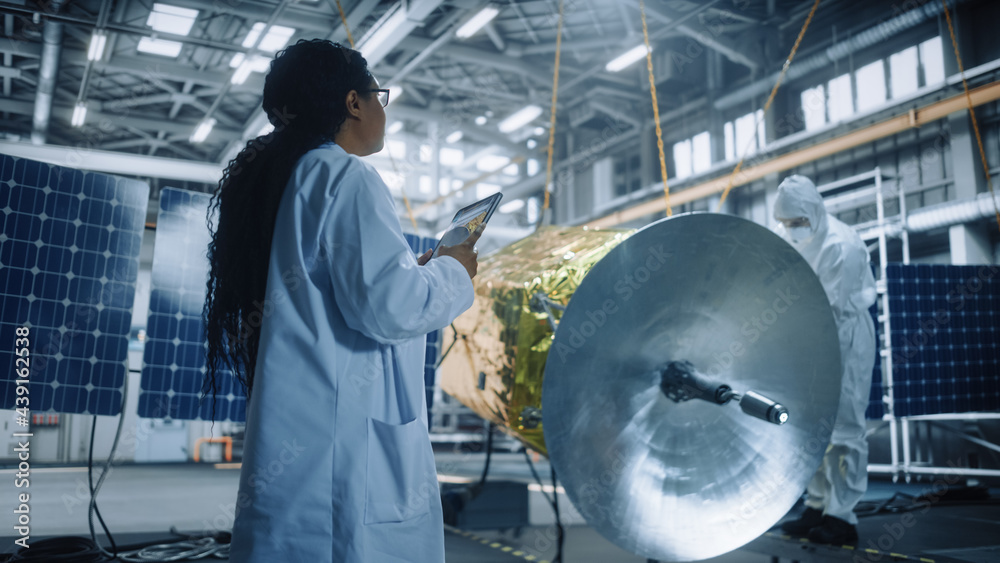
x=902, y=462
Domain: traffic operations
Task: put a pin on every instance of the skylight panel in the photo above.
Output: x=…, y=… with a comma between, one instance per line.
x=171, y=19
x=277, y=37
x=162, y=47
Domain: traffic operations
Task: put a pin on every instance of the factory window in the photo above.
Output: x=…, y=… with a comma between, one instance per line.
x=932, y=61
x=682, y=158
x=903, y=72
x=425, y=184
x=483, y=190
x=533, y=167
x=627, y=175
x=491, y=163
x=448, y=185
x=534, y=208
x=871, y=85
x=451, y=157
x=744, y=136
x=396, y=148
x=512, y=206
x=839, y=100
x=701, y=152
x=394, y=180
x=693, y=155
x=814, y=107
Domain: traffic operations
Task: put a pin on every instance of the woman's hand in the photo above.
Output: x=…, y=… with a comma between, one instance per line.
x=466, y=252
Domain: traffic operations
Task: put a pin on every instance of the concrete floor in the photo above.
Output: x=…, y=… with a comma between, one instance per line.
x=151, y=499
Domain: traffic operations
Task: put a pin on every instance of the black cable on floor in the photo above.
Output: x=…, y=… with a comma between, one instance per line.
x=553, y=502
x=903, y=502
x=71, y=549
x=489, y=454
x=93, y=493
x=555, y=505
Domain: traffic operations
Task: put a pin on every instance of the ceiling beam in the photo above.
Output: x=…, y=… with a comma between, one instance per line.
x=405, y=17
x=116, y=162
x=706, y=37
x=123, y=28
x=111, y=120
x=452, y=122
x=298, y=16
x=354, y=19
x=139, y=66
x=480, y=57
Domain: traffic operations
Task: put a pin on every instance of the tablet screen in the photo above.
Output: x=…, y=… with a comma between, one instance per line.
x=467, y=220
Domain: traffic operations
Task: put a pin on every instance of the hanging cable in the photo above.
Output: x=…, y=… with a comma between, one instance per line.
x=450, y=346
x=402, y=189
x=656, y=109
x=972, y=112
x=343, y=19
x=767, y=106
x=552, y=119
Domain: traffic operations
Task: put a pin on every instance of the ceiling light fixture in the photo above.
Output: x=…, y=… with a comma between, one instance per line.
x=375, y=43
x=520, y=118
x=627, y=58
x=79, y=114
x=242, y=73
x=204, y=128
x=97, y=42
x=477, y=22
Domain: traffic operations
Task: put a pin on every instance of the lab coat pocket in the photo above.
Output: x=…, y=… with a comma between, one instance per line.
x=400, y=479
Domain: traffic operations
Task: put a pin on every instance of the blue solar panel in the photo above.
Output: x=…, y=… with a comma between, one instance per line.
x=419, y=245
x=945, y=335
x=174, y=359
x=69, y=250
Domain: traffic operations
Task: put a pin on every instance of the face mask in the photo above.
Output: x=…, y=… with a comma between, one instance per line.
x=799, y=234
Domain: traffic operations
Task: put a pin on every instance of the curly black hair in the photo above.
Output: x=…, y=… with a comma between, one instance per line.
x=304, y=94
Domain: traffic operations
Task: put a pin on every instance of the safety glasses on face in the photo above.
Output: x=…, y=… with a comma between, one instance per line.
x=383, y=95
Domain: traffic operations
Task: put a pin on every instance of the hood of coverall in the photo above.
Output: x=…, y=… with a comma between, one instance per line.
x=798, y=197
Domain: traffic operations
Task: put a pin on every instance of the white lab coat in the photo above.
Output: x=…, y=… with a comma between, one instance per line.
x=337, y=462
x=840, y=260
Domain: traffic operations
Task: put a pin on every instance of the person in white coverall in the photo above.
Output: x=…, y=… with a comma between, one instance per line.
x=840, y=260
x=337, y=464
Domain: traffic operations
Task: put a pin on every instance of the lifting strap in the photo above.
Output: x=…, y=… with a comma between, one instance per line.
x=972, y=113
x=767, y=106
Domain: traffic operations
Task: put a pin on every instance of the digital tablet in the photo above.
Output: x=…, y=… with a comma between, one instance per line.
x=468, y=220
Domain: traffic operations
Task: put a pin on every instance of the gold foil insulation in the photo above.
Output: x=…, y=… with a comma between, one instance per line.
x=497, y=365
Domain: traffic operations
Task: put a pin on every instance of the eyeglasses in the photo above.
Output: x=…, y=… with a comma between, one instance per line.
x=383, y=95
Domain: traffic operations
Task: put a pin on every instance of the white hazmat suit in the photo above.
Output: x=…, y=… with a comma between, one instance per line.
x=337, y=466
x=840, y=260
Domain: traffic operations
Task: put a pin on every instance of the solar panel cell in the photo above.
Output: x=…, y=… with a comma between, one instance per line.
x=54, y=279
